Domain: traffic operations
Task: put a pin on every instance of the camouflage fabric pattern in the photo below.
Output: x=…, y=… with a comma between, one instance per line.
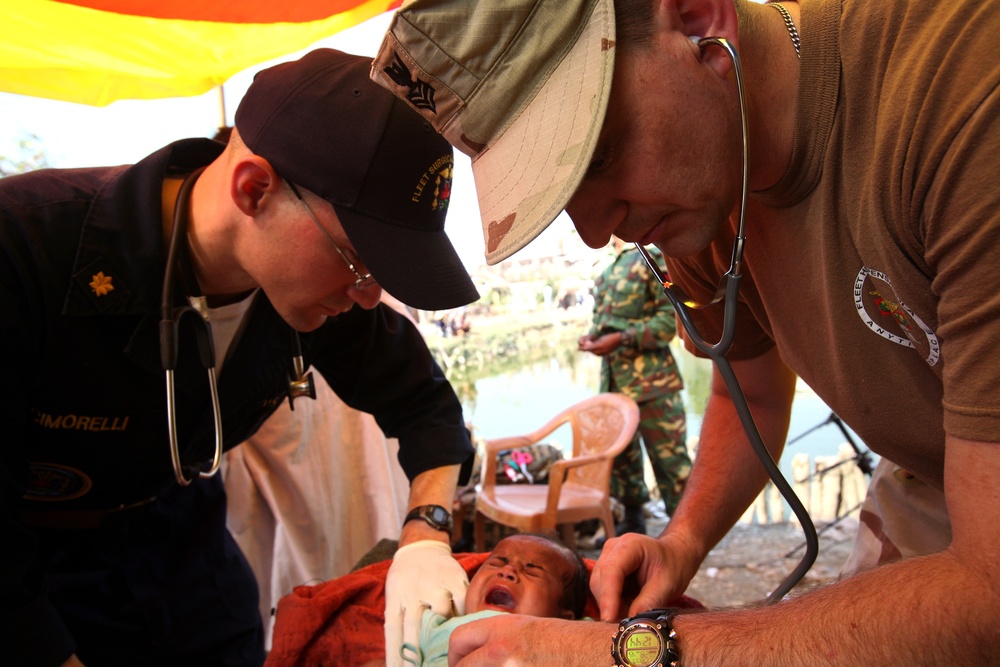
x=628, y=298
x=663, y=430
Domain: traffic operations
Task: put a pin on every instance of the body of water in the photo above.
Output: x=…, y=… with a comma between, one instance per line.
x=522, y=399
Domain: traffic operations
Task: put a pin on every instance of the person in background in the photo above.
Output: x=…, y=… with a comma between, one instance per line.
x=867, y=259
x=252, y=257
x=631, y=331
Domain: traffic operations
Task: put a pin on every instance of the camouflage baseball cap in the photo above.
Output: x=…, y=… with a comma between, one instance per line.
x=521, y=86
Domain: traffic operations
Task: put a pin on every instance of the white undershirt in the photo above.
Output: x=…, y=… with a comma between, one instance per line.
x=227, y=321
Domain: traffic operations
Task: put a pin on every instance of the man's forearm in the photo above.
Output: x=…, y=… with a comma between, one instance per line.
x=930, y=610
x=876, y=618
x=726, y=475
x=431, y=487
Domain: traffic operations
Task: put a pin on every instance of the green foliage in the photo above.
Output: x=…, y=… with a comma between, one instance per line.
x=29, y=156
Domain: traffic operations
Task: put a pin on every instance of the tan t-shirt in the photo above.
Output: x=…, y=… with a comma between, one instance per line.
x=873, y=264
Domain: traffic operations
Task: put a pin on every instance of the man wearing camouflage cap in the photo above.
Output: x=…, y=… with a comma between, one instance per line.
x=862, y=231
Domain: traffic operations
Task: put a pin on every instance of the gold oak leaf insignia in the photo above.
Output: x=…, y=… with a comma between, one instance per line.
x=101, y=284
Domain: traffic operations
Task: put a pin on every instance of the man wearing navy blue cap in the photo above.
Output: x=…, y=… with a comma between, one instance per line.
x=255, y=261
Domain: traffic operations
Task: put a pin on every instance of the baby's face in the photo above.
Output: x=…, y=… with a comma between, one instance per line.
x=525, y=574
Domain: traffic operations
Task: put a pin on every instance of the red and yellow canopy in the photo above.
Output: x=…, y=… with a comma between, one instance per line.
x=98, y=51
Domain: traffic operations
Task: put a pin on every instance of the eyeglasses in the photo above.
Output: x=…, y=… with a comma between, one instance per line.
x=363, y=280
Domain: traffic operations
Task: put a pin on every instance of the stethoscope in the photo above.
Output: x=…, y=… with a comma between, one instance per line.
x=299, y=384
x=728, y=292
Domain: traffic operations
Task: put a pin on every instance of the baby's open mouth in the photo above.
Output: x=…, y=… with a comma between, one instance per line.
x=500, y=597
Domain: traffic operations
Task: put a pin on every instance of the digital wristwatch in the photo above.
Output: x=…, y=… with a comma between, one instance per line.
x=435, y=516
x=646, y=640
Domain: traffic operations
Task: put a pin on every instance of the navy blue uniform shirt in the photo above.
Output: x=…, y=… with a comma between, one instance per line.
x=84, y=424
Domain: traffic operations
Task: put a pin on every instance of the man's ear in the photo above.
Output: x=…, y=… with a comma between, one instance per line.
x=702, y=18
x=252, y=182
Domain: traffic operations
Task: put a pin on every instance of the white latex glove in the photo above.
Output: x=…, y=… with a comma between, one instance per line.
x=423, y=575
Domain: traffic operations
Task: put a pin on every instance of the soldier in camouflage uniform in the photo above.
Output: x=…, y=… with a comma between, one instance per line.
x=632, y=328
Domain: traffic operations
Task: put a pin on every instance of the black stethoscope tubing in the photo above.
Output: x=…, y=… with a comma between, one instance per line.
x=728, y=292
x=170, y=322
x=300, y=383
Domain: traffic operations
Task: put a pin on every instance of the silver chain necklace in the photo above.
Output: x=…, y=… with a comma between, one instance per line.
x=792, y=32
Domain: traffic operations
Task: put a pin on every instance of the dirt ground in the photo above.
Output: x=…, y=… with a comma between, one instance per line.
x=753, y=560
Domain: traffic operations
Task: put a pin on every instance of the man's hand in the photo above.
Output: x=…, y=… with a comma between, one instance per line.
x=636, y=573
x=423, y=575
x=528, y=640
x=601, y=345
x=724, y=480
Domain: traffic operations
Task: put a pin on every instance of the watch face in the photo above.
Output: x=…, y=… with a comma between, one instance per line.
x=439, y=515
x=640, y=646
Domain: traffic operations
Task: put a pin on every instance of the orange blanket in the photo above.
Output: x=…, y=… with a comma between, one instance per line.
x=340, y=622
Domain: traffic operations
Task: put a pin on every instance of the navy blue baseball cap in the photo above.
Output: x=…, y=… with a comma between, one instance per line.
x=324, y=125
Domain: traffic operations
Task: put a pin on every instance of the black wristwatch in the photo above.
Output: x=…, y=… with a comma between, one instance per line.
x=646, y=640
x=435, y=516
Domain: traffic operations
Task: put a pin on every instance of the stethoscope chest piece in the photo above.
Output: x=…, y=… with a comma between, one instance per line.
x=300, y=383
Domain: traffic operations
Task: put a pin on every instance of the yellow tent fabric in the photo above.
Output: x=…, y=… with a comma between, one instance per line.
x=98, y=51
